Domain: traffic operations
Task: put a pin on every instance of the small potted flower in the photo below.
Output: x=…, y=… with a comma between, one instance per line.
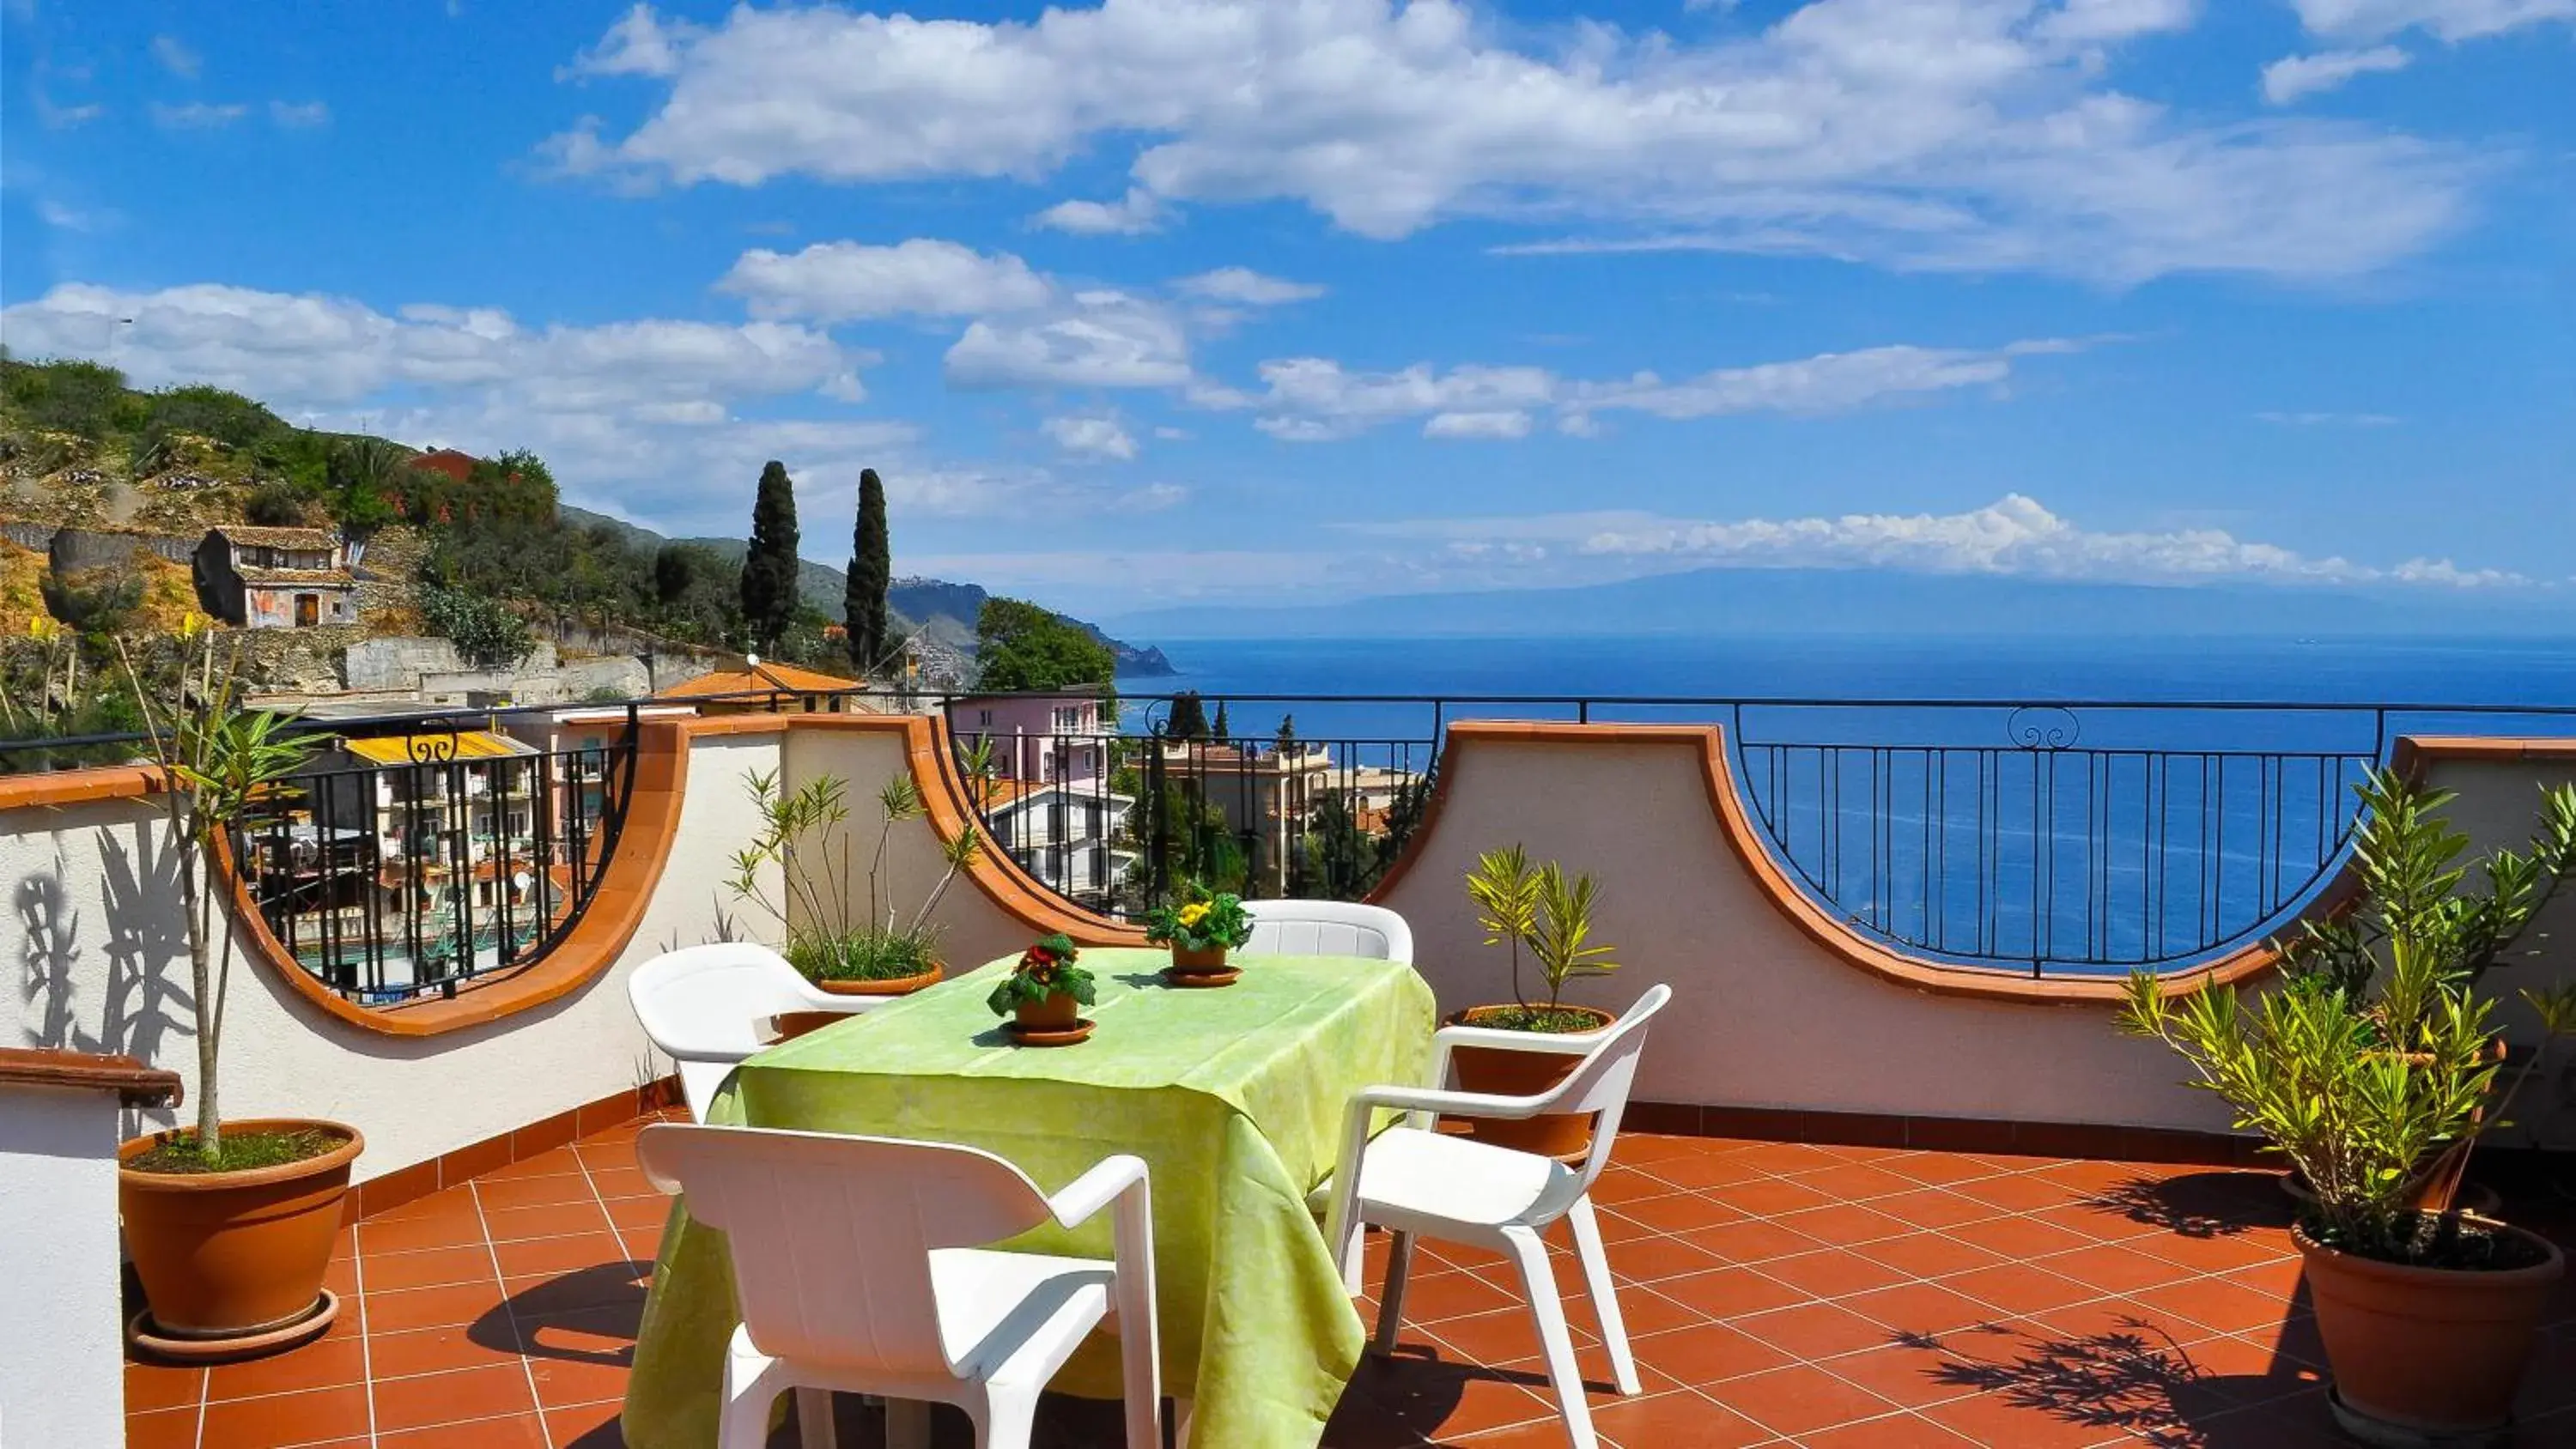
x=1200, y=930
x=1045, y=992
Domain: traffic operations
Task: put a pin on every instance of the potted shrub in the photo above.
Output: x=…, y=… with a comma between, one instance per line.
x=1200, y=930
x=829, y=938
x=230, y=1224
x=2373, y=1069
x=1046, y=991
x=1541, y=910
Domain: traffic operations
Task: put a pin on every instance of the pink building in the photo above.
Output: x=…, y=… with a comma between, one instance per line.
x=1037, y=738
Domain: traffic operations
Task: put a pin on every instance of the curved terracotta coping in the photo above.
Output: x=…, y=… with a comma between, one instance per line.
x=136, y=1084
x=1753, y=851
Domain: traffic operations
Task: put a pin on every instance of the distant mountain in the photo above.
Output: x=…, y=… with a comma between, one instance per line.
x=942, y=611
x=1857, y=601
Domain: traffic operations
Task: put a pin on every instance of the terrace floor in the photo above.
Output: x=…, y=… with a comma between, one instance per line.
x=1776, y=1294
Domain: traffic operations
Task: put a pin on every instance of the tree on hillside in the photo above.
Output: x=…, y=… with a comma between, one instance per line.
x=1221, y=731
x=1020, y=646
x=769, y=561
x=871, y=572
x=1189, y=718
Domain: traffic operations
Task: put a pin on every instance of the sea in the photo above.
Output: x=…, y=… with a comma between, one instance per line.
x=2049, y=805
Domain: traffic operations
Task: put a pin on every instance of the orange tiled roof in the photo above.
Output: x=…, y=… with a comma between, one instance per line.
x=764, y=678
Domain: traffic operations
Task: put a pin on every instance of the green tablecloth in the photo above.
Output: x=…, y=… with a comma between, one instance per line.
x=1233, y=1098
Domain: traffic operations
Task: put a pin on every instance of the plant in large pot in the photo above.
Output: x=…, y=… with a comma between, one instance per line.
x=1200, y=928
x=230, y=1223
x=1547, y=913
x=841, y=946
x=2373, y=1068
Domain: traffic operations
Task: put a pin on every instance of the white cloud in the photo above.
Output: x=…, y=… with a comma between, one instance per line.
x=640, y=413
x=1246, y=287
x=175, y=57
x=2292, y=76
x=845, y=281
x=69, y=218
x=640, y=43
x=1101, y=438
x=1971, y=134
x=2014, y=536
x=1098, y=338
x=2450, y=20
x=1313, y=399
x=1134, y=214
x=55, y=117
x=1505, y=424
x=1152, y=498
x=297, y=116
x=2328, y=420
x=197, y=115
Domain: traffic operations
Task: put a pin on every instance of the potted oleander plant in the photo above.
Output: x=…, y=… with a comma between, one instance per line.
x=841, y=943
x=1046, y=990
x=1547, y=914
x=230, y=1223
x=2373, y=1068
x=1201, y=928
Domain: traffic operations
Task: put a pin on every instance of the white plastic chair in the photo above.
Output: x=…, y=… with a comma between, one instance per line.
x=1418, y=1181
x=703, y=1006
x=859, y=1265
x=1328, y=928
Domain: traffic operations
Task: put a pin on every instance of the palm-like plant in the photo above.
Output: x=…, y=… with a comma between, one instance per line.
x=1505, y=887
x=1562, y=937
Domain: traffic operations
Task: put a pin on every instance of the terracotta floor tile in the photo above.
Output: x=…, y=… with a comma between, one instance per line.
x=1931, y=1207
x=1679, y=1213
x=1752, y=1241
x=2116, y=1269
x=440, y=1350
x=519, y=1431
x=596, y=1333
x=1799, y=1399
x=548, y=1220
x=2295, y=1340
x=1504, y=1336
x=2013, y=1193
x=398, y=1310
x=1895, y=1431
x=1844, y=1224
x=2216, y=1253
x=1727, y=1292
x=518, y=1192
x=565, y=1382
x=1702, y=1171
x=1920, y=1308
x=162, y=1429
x=1856, y=1182
x=1456, y=1400
x=553, y=1162
x=592, y=1426
x=1812, y=1330
x=1617, y=1227
x=1683, y=1420
x=1620, y=1183
x=640, y=1212
x=1936, y=1168
x=428, y=1268
x=558, y=1255
x=609, y=1284
x=2245, y=1372
x=1909, y=1374
x=453, y=1226
x=1433, y=1297
x=320, y=1365
x=492, y=1391
x=1929, y=1255
x=2019, y=1238
x=617, y=1182
x=2121, y=1317
x=150, y=1387
x=1649, y=1259
x=1708, y=1353
x=320, y=1416
x=2019, y=1288
x=2218, y=1304
x=1788, y=1156
x=1647, y=1311
x=2093, y=1223
x=1778, y=1195
x=1990, y=1420
x=1832, y=1272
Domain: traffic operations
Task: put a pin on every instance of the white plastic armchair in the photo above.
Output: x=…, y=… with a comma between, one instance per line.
x=1417, y=1181
x=1328, y=928
x=860, y=1266
x=704, y=1005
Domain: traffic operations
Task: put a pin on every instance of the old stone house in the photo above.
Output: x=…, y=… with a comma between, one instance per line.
x=276, y=578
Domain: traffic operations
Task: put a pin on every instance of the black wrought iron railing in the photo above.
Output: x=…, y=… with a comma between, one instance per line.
x=2051, y=838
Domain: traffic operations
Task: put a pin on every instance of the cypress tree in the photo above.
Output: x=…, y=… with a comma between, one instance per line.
x=1222, y=732
x=871, y=571
x=1189, y=719
x=769, y=560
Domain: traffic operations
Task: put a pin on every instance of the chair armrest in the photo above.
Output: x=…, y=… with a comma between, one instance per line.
x=1435, y=1102
x=815, y=998
x=1097, y=1189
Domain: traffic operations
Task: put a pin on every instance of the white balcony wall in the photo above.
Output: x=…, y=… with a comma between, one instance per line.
x=98, y=926
x=62, y=1376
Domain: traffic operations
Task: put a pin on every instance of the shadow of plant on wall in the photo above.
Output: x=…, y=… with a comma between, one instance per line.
x=50, y=953
x=141, y=1001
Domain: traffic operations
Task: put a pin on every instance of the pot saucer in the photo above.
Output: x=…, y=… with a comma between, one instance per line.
x=1024, y=1036
x=144, y=1334
x=1201, y=979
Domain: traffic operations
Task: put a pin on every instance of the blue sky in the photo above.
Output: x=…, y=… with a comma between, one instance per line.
x=1296, y=299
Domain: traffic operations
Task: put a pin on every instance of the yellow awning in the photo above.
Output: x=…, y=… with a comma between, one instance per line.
x=462, y=745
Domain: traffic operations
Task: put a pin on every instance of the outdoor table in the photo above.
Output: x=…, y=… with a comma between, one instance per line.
x=1233, y=1097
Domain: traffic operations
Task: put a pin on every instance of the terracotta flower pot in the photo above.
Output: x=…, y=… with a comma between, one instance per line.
x=1202, y=962
x=234, y=1254
x=1059, y=1012
x=2427, y=1355
x=1564, y=1135
x=890, y=986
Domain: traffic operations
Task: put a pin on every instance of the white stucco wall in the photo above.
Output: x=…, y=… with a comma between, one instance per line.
x=102, y=948
x=61, y=1376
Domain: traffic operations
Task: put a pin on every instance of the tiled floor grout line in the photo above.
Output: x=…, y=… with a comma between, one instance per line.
x=518, y=1342
x=366, y=1345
